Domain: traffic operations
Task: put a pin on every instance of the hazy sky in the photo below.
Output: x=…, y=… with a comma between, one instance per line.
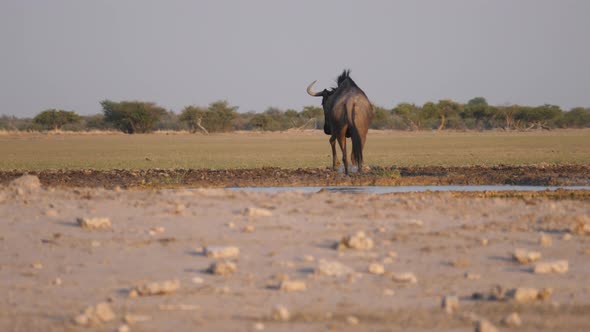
x=256, y=54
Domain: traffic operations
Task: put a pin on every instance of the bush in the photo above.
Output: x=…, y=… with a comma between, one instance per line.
x=132, y=116
x=218, y=117
x=53, y=119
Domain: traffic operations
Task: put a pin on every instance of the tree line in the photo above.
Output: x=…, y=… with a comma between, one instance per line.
x=220, y=116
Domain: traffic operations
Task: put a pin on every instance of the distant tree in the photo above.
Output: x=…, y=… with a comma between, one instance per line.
x=542, y=117
x=314, y=112
x=96, y=122
x=192, y=116
x=55, y=119
x=132, y=116
x=445, y=109
x=413, y=115
x=478, y=110
x=578, y=117
x=507, y=113
x=219, y=116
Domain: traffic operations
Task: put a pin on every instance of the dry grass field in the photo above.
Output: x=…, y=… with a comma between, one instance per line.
x=287, y=150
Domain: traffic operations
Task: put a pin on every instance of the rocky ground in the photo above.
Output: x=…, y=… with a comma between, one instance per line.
x=216, y=260
x=542, y=174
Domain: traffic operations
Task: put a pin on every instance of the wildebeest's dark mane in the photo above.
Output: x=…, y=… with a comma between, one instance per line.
x=345, y=76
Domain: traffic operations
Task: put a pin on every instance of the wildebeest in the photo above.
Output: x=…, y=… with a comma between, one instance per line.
x=347, y=113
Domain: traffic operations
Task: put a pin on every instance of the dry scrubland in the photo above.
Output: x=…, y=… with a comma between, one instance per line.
x=287, y=150
x=216, y=260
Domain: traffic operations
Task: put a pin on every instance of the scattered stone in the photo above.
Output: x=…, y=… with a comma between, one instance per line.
x=259, y=326
x=57, y=281
x=512, y=320
x=392, y=254
x=415, y=222
x=37, y=265
x=95, y=315
x=94, y=223
x=95, y=244
x=257, y=212
x=586, y=251
x=484, y=242
x=179, y=208
x=376, y=268
x=158, y=288
x=527, y=295
x=332, y=268
x=25, y=184
x=461, y=263
x=280, y=313
x=358, y=241
x=582, y=226
x=566, y=237
x=134, y=319
x=388, y=292
x=156, y=230
x=525, y=257
x=222, y=268
x=352, y=320
x=222, y=252
x=450, y=303
x=292, y=286
x=545, y=240
x=178, y=307
x=472, y=276
x=123, y=328
x=560, y=267
x=231, y=225
x=198, y=280
x=406, y=277
x=51, y=213
x=484, y=325
x=308, y=258
x=248, y=229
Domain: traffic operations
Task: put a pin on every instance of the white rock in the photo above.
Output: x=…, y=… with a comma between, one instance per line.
x=560, y=267
x=472, y=276
x=512, y=320
x=483, y=325
x=222, y=252
x=376, y=268
x=198, y=280
x=134, y=319
x=352, y=320
x=123, y=328
x=257, y=212
x=222, y=268
x=545, y=240
x=525, y=257
x=25, y=184
x=406, y=277
x=94, y=223
x=358, y=241
x=280, y=313
x=332, y=268
x=292, y=285
x=450, y=303
x=95, y=315
x=158, y=288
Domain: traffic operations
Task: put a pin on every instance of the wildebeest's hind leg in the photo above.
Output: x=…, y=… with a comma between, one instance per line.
x=342, y=143
x=333, y=144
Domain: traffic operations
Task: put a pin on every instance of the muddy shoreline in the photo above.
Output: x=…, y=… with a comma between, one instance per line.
x=539, y=175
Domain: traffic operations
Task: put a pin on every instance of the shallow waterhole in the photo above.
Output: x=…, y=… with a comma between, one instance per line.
x=406, y=189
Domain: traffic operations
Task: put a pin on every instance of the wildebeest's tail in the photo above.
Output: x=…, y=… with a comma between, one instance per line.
x=357, y=145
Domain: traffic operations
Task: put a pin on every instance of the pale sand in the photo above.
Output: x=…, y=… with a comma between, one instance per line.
x=437, y=237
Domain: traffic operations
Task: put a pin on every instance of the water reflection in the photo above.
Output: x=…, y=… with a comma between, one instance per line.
x=405, y=189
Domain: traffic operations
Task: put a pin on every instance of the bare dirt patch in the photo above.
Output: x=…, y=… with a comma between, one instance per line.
x=51, y=269
x=546, y=175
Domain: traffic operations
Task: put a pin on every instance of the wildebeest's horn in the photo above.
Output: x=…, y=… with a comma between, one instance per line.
x=311, y=93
